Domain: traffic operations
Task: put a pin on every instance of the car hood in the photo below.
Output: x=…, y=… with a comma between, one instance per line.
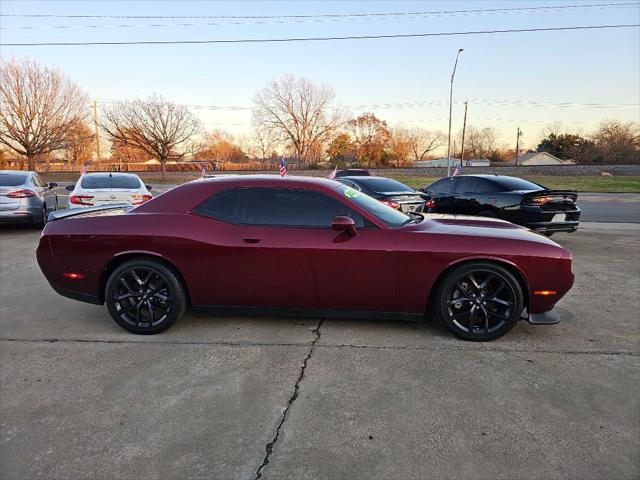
x=476, y=226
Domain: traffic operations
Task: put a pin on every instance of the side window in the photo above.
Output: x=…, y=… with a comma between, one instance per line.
x=222, y=206
x=487, y=186
x=441, y=186
x=38, y=181
x=294, y=208
x=465, y=185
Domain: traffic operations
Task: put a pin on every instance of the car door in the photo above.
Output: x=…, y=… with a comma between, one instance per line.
x=442, y=194
x=44, y=192
x=289, y=257
x=463, y=200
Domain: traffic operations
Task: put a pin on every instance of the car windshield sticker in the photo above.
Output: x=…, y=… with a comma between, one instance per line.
x=351, y=193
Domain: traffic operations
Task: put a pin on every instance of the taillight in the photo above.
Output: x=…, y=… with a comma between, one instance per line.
x=538, y=200
x=391, y=204
x=21, y=194
x=140, y=199
x=431, y=203
x=81, y=199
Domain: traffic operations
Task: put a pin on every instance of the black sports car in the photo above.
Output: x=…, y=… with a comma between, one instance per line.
x=509, y=198
x=391, y=192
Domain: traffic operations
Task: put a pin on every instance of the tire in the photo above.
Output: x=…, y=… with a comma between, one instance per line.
x=40, y=222
x=144, y=296
x=492, y=308
x=547, y=234
x=488, y=213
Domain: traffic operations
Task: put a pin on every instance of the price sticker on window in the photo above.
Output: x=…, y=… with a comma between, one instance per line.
x=351, y=193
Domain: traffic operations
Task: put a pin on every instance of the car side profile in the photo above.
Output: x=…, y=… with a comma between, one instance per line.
x=26, y=197
x=102, y=188
x=509, y=198
x=300, y=246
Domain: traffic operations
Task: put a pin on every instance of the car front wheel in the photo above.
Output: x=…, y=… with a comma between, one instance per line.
x=479, y=301
x=144, y=296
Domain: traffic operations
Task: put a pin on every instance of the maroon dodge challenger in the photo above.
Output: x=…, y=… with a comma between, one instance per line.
x=301, y=246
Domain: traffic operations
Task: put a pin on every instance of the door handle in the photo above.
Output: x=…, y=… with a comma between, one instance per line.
x=251, y=240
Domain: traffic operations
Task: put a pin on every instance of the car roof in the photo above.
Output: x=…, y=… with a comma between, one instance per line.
x=25, y=172
x=271, y=180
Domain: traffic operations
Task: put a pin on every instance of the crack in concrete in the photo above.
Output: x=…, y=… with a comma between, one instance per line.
x=269, y=446
x=434, y=348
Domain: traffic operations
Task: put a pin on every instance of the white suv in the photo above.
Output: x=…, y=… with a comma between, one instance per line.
x=106, y=188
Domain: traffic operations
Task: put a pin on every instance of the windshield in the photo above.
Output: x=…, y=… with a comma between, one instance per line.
x=388, y=215
x=12, y=179
x=110, y=181
x=382, y=185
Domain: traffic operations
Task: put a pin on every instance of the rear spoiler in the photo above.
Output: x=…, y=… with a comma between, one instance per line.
x=72, y=212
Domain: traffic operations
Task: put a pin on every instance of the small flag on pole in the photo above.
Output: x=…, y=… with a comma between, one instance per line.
x=457, y=170
x=83, y=169
x=283, y=167
x=332, y=175
x=203, y=170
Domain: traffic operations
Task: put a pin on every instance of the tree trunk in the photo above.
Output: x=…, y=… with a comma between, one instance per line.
x=163, y=165
x=31, y=162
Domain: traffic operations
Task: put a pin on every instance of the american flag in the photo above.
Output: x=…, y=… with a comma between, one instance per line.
x=283, y=167
x=457, y=170
x=332, y=175
x=83, y=169
x=203, y=171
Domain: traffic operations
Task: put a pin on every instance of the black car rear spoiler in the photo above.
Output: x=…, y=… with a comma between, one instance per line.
x=72, y=212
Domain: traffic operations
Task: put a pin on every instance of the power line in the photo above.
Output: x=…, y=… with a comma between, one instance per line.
x=288, y=19
x=336, y=15
x=437, y=102
x=317, y=39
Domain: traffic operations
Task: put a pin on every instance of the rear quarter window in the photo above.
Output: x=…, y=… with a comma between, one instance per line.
x=222, y=206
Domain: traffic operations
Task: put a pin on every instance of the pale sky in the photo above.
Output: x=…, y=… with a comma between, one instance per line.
x=510, y=80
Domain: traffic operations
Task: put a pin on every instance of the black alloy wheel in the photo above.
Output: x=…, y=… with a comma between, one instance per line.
x=480, y=301
x=144, y=296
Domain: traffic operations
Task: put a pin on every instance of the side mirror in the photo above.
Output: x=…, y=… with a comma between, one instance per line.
x=69, y=188
x=148, y=187
x=344, y=224
x=53, y=184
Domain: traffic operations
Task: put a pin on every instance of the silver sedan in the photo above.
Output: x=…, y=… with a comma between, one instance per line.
x=25, y=197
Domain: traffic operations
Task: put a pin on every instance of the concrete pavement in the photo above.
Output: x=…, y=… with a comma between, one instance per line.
x=231, y=397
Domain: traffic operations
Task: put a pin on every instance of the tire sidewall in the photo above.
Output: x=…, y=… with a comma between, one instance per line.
x=448, y=284
x=174, y=283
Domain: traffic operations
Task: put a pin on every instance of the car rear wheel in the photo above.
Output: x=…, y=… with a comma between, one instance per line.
x=144, y=296
x=479, y=301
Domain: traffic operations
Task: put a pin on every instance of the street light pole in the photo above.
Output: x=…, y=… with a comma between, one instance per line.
x=451, y=112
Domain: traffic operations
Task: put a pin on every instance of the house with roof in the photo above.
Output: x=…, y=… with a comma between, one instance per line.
x=541, y=158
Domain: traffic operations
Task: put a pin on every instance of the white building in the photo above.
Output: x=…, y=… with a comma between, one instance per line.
x=541, y=158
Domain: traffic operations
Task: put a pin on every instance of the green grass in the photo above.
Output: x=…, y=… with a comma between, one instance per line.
x=581, y=184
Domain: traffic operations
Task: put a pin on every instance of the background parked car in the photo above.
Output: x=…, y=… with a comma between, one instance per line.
x=391, y=192
x=353, y=172
x=104, y=188
x=509, y=198
x=25, y=197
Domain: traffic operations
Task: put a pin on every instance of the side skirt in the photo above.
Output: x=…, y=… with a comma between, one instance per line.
x=304, y=312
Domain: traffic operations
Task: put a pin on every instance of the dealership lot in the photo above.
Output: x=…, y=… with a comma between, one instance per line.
x=81, y=398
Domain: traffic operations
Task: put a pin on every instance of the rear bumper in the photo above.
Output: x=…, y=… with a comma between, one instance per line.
x=550, y=227
x=21, y=214
x=82, y=297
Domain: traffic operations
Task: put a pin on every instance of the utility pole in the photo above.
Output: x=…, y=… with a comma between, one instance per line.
x=519, y=134
x=95, y=122
x=464, y=128
x=453, y=74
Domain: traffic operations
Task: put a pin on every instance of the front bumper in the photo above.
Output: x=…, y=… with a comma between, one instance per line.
x=547, y=318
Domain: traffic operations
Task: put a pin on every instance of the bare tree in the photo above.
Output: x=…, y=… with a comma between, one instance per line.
x=479, y=143
x=261, y=143
x=39, y=106
x=80, y=142
x=423, y=142
x=298, y=113
x=155, y=125
x=617, y=142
